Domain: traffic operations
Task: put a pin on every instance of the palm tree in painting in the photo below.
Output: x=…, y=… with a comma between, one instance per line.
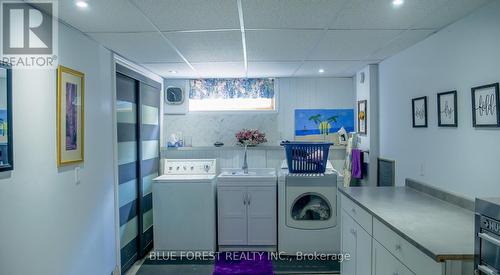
x=323, y=125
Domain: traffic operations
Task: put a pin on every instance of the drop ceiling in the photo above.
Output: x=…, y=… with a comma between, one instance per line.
x=260, y=38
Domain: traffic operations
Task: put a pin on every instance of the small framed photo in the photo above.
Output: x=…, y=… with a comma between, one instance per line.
x=485, y=108
x=419, y=110
x=447, y=109
x=362, y=117
x=70, y=116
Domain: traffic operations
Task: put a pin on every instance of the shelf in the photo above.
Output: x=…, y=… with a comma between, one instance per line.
x=211, y=148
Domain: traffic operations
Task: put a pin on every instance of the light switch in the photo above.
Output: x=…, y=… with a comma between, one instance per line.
x=77, y=175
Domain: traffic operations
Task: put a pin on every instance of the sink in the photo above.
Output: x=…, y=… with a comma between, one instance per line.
x=252, y=173
x=255, y=176
x=240, y=173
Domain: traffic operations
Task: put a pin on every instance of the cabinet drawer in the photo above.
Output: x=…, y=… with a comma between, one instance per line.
x=412, y=257
x=362, y=217
x=384, y=263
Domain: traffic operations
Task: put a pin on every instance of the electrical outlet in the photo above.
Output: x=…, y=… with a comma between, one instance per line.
x=422, y=173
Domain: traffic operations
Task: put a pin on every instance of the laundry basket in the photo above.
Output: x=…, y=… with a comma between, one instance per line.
x=306, y=157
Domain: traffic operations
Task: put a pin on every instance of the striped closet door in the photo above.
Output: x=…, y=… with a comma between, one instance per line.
x=138, y=133
x=150, y=158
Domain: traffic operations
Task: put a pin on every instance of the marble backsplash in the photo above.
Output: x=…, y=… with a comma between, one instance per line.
x=207, y=128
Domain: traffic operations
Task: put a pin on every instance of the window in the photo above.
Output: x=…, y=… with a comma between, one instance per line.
x=241, y=94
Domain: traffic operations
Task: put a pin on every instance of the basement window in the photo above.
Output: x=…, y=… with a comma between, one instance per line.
x=238, y=94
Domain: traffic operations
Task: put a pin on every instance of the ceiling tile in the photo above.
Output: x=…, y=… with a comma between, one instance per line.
x=220, y=69
x=208, y=46
x=280, y=45
x=332, y=68
x=272, y=69
x=401, y=42
x=104, y=16
x=191, y=14
x=453, y=11
x=381, y=14
x=182, y=70
x=289, y=13
x=352, y=44
x=140, y=47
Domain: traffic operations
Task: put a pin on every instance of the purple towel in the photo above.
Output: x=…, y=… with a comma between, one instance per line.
x=243, y=263
x=357, y=163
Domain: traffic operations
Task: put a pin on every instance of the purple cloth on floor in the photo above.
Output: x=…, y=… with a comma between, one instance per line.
x=357, y=163
x=243, y=263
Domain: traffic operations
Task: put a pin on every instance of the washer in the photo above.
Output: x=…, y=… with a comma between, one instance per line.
x=307, y=210
x=184, y=211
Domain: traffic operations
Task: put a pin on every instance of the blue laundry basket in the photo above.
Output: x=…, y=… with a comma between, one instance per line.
x=306, y=157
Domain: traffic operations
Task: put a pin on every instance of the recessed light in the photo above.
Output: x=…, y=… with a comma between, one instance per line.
x=397, y=3
x=82, y=4
x=172, y=71
x=321, y=71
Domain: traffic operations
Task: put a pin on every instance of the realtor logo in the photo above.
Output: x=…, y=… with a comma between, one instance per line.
x=29, y=34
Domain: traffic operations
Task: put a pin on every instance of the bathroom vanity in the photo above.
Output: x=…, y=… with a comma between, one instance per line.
x=247, y=210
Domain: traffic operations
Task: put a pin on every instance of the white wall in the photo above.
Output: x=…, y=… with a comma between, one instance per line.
x=368, y=90
x=293, y=93
x=464, y=55
x=51, y=225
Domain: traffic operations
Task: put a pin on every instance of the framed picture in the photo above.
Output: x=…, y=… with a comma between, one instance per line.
x=447, y=109
x=485, y=108
x=362, y=117
x=70, y=116
x=320, y=125
x=419, y=110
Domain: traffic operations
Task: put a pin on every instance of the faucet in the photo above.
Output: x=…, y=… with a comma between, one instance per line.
x=245, y=163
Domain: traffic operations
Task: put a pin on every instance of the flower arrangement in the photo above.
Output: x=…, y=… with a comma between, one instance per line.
x=250, y=137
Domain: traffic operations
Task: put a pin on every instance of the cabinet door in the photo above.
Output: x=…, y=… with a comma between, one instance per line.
x=386, y=264
x=348, y=242
x=262, y=215
x=232, y=220
x=363, y=251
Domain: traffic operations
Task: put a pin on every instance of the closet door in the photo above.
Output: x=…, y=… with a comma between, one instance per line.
x=149, y=152
x=126, y=114
x=138, y=132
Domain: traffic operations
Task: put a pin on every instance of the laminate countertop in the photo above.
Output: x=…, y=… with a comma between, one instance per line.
x=442, y=230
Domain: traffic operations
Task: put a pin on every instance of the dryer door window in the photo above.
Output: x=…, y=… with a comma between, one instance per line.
x=311, y=207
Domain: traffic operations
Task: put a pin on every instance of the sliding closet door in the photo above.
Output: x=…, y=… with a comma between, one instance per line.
x=127, y=134
x=138, y=118
x=149, y=152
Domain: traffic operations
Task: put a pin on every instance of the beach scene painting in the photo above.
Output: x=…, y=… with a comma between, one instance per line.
x=322, y=124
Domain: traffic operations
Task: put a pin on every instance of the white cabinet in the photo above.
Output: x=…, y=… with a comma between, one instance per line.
x=358, y=243
x=363, y=251
x=384, y=263
x=232, y=222
x=376, y=249
x=348, y=243
x=261, y=213
x=247, y=215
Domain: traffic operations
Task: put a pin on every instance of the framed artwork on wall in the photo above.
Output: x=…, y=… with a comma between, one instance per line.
x=485, y=108
x=447, y=109
x=419, y=111
x=6, y=137
x=70, y=116
x=362, y=117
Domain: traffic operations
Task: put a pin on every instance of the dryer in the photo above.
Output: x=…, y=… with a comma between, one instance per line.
x=308, y=213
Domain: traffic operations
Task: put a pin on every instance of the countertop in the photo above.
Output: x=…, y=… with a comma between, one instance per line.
x=236, y=147
x=443, y=231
